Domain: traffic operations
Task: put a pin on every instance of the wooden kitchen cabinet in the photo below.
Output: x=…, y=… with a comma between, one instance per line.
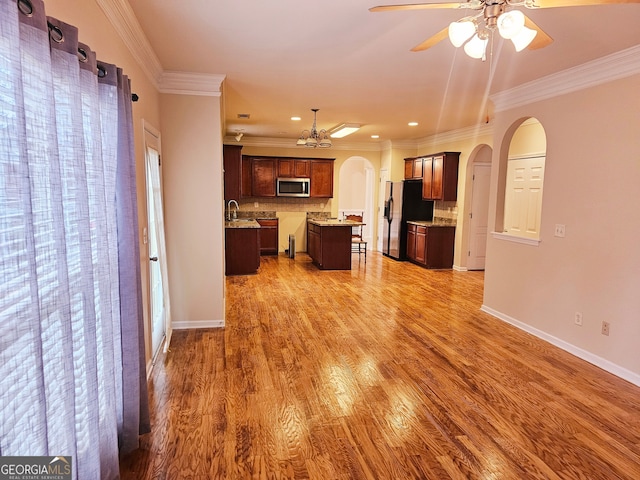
x=413, y=168
x=268, y=236
x=293, y=168
x=431, y=246
x=321, y=175
x=440, y=176
x=263, y=177
x=242, y=251
x=329, y=246
x=232, y=164
x=411, y=241
x=259, y=174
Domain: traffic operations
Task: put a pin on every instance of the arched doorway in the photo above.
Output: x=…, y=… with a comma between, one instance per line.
x=477, y=204
x=356, y=193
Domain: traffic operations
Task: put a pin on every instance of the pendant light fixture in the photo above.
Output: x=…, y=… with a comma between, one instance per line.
x=314, y=138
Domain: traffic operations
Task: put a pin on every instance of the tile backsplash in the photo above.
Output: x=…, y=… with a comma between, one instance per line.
x=287, y=205
x=445, y=211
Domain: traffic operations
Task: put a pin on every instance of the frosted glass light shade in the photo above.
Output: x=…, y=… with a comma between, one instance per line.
x=475, y=47
x=524, y=38
x=510, y=23
x=461, y=31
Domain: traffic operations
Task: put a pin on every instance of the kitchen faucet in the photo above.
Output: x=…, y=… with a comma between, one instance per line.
x=235, y=212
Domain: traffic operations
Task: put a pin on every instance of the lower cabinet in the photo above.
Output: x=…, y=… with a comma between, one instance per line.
x=430, y=245
x=268, y=236
x=242, y=251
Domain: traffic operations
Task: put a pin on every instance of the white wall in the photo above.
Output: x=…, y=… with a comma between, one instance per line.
x=591, y=184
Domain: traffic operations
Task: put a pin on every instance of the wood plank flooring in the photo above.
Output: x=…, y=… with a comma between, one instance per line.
x=387, y=371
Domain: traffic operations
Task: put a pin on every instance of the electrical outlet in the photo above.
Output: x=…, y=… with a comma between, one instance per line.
x=559, y=232
x=605, y=328
x=578, y=318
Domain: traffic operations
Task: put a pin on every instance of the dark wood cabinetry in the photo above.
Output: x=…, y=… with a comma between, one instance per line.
x=242, y=251
x=440, y=176
x=259, y=174
x=329, y=246
x=321, y=174
x=412, y=168
x=268, y=236
x=431, y=246
x=232, y=164
x=293, y=168
x=263, y=177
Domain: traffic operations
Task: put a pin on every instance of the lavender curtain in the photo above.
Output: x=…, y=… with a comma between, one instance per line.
x=72, y=376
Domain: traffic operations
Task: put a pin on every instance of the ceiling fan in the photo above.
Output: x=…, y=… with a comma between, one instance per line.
x=487, y=16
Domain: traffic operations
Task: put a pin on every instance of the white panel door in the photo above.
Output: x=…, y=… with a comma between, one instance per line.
x=478, y=225
x=523, y=197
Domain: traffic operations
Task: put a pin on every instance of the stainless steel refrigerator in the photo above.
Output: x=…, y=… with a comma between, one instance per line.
x=403, y=202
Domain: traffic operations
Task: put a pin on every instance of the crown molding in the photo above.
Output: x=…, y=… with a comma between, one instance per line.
x=458, y=135
x=291, y=143
x=121, y=16
x=205, y=84
x=602, y=70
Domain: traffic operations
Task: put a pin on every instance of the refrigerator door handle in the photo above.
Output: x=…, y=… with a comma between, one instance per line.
x=390, y=216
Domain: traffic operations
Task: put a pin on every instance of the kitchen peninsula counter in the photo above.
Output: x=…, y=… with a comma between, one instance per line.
x=242, y=246
x=329, y=242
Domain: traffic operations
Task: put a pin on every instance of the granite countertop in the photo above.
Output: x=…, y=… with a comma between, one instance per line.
x=241, y=223
x=438, y=222
x=255, y=215
x=333, y=222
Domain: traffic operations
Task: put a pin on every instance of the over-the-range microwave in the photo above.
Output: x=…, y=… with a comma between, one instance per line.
x=293, y=187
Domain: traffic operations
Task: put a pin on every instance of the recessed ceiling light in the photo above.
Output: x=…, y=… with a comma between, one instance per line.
x=375, y=136
x=413, y=124
x=296, y=119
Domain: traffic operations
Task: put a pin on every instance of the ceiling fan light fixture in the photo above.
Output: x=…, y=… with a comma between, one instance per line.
x=344, y=129
x=476, y=47
x=510, y=23
x=524, y=38
x=461, y=31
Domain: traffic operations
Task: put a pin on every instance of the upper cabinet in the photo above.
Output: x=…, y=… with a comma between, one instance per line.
x=259, y=175
x=321, y=175
x=412, y=168
x=263, y=177
x=293, y=168
x=232, y=164
x=440, y=176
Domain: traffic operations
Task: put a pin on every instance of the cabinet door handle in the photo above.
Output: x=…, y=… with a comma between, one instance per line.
x=154, y=259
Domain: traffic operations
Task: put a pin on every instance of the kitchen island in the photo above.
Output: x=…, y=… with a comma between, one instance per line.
x=329, y=243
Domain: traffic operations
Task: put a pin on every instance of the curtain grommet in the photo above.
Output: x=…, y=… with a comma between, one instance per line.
x=102, y=72
x=55, y=33
x=82, y=55
x=25, y=7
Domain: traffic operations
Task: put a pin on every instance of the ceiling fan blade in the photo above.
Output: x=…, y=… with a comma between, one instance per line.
x=419, y=6
x=541, y=40
x=577, y=3
x=430, y=42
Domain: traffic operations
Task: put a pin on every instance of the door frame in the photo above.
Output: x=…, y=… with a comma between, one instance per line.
x=152, y=139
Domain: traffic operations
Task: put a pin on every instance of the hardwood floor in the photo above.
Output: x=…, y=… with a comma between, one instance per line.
x=387, y=371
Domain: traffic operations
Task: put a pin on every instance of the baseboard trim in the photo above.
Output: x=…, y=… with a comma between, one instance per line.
x=604, y=364
x=456, y=268
x=190, y=324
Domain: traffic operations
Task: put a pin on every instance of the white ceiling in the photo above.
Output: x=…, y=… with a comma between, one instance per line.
x=283, y=57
